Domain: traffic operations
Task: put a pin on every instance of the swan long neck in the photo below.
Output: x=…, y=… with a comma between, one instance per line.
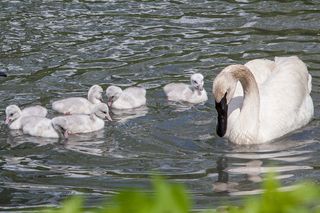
x=250, y=110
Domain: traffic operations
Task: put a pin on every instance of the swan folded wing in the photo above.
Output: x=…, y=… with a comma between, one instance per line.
x=76, y=105
x=283, y=95
x=135, y=91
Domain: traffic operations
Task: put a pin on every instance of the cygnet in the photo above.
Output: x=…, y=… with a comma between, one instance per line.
x=129, y=98
x=14, y=114
x=180, y=92
x=79, y=105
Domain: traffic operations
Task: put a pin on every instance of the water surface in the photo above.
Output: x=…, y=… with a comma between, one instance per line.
x=57, y=49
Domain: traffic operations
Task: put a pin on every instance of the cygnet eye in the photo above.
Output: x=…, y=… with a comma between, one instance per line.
x=195, y=82
x=11, y=114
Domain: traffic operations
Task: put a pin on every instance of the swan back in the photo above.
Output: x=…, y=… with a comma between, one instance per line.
x=38, y=126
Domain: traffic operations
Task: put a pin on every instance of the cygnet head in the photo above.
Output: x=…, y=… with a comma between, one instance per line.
x=95, y=94
x=197, y=81
x=60, y=125
x=13, y=112
x=113, y=93
x=223, y=89
x=102, y=111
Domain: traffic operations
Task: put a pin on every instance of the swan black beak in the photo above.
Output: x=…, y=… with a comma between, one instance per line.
x=222, y=109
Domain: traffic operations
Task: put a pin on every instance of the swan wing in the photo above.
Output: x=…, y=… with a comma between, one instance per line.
x=285, y=103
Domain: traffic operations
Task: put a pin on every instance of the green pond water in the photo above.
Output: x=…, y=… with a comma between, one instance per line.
x=56, y=49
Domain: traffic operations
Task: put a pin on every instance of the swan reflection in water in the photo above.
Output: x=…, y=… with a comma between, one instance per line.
x=255, y=161
x=123, y=115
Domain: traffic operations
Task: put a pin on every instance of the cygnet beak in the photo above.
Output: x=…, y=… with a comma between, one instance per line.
x=108, y=117
x=7, y=120
x=66, y=134
x=110, y=102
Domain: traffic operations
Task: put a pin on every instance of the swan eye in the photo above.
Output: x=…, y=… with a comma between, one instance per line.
x=195, y=82
x=11, y=114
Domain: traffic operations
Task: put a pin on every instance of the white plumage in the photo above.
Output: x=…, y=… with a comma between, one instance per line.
x=14, y=114
x=39, y=126
x=180, y=92
x=79, y=105
x=129, y=98
x=264, y=99
x=73, y=124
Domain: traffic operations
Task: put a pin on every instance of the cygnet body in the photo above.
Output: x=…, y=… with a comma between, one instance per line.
x=180, y=92
x=79, y=105
x=84, y=123
x=14, y=114
x=129, y=98
x=40, y=127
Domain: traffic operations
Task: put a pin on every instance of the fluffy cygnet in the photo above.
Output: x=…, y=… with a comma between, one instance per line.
x=14, y=114
x=79, y=105
x=41, y=127
x=129, y=98
x=84, y=123
x=194, y=93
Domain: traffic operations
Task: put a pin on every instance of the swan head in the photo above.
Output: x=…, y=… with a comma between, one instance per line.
x=60, y=125
x=113, y=93
x=95, y=94
x=224, y=86
x=197, y=81
x=13, y=112
x=102, y=111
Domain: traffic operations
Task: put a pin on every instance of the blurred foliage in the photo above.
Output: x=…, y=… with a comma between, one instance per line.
x=173, y=198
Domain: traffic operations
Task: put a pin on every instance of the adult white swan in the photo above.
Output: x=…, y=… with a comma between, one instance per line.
x=271, y=100
x=79, y=105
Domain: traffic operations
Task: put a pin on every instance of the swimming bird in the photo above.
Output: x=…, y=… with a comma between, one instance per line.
x=263, y=99
x=84, y=123
x=129, y=98
x=42, y=127
x=79, y=105
x=14, y=114
x=180, y=92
